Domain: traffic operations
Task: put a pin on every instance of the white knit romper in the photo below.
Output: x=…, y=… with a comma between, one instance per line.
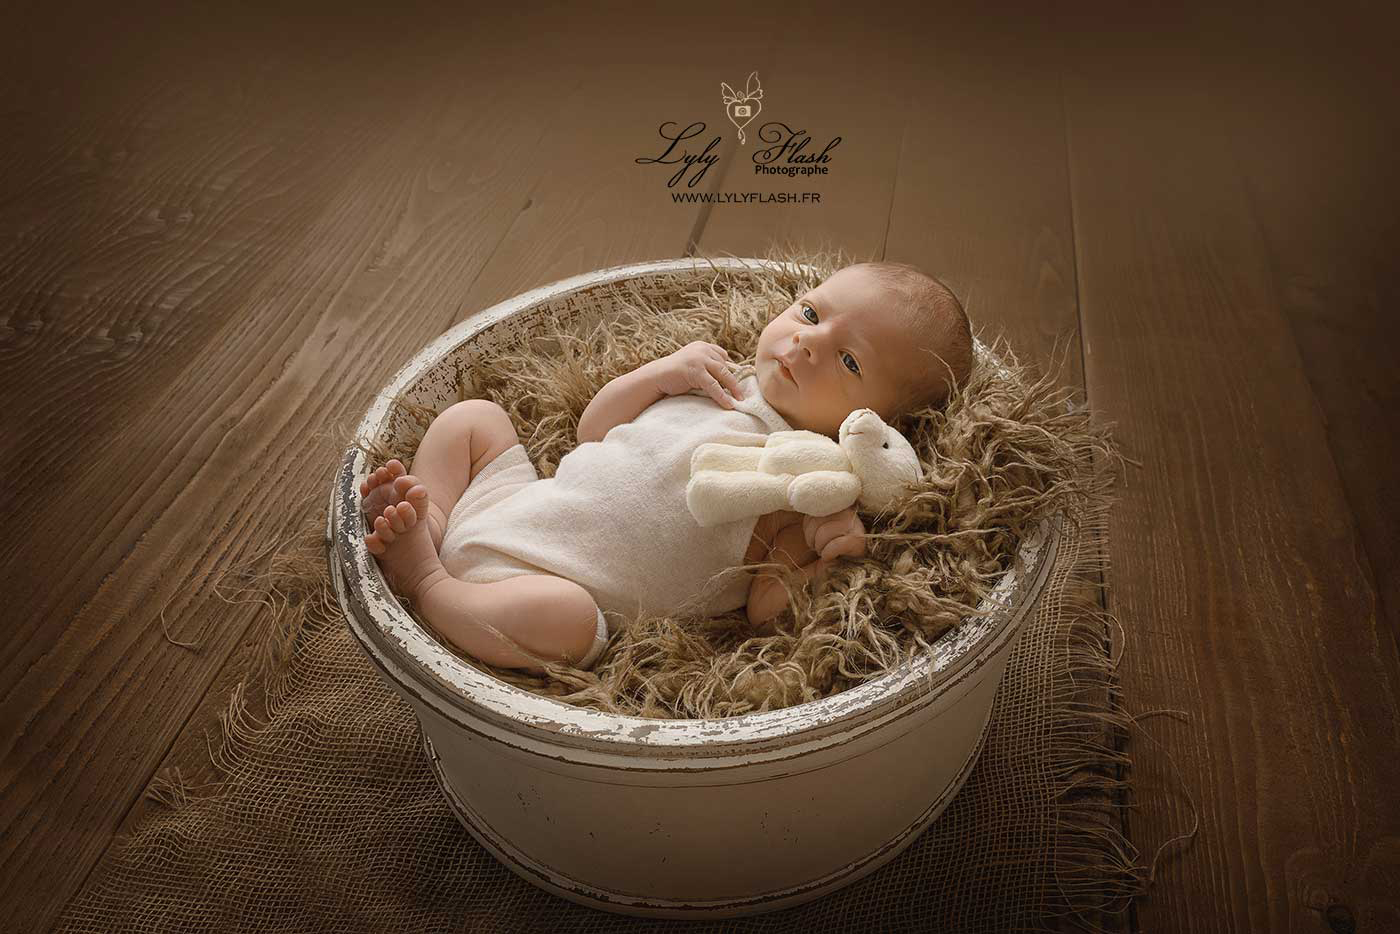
x=613, y=518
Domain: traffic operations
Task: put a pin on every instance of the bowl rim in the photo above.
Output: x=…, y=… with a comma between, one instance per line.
x=411, y=658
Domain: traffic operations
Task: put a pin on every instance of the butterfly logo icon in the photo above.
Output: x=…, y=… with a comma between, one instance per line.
x=742, y=109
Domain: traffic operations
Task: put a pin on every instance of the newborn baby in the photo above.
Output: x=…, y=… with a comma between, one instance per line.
x=539, y=560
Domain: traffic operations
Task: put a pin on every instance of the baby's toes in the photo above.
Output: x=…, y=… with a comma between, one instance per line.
x=417, y=497
x=400, y=516
x=402, y=485
x=386, y=473
x=373, y=543
x=384, y=529
x=370, y=483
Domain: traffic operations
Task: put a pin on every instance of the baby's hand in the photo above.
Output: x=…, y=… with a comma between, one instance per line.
x=840, y=533
x=697, y=365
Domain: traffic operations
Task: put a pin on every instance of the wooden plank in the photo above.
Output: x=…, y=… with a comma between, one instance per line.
x=1236, y=564
x=983, y=194
x=128, y=221
x=238, y=417
x=1316, y=146
x=598, y=206
x=117, y=268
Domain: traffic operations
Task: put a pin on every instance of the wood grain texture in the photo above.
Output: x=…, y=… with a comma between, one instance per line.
x=1237, y=564
x=237, y=413
x=983, y=194
x=1316, y=148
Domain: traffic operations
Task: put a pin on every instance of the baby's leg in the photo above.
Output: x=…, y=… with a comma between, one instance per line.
x=554, y=618
x=550, y=616
x=459, y=443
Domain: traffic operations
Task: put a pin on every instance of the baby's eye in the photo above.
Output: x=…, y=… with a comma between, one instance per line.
x=852, y=366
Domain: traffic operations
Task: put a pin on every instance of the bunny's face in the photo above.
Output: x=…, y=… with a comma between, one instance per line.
x=885, y=461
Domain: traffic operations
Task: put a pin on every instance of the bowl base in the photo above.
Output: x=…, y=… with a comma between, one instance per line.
x=574, y=890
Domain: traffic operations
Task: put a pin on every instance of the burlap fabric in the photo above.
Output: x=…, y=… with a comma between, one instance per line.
x=327, y=817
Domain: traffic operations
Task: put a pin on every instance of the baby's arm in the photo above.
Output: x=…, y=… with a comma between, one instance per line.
x=619, y=401
x=697, y=365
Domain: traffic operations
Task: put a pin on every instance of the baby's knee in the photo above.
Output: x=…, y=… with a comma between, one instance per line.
x=474, y=412
x=544, y=595
x=562, y=612
x=487, y=425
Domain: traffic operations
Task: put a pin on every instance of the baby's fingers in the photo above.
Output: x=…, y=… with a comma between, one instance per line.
x=821, y=530
x=826, y=533
x=851, y=545
x=715, y=390
x=726, y=376
x=722, y=384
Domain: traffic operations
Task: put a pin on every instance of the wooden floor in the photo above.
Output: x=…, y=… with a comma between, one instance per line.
x=222, y=232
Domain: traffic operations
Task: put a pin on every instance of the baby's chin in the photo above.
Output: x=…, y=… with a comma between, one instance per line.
x=764, y=373
x=775, y=386
x=770, y=383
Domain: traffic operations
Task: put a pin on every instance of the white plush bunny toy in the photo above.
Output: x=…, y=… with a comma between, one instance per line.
x=803, y=471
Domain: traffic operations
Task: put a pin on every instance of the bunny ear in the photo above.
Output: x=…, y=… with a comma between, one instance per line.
x=753, y=83
x=728, y=92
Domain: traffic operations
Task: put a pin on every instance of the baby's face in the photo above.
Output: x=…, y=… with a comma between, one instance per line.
x=836, y=349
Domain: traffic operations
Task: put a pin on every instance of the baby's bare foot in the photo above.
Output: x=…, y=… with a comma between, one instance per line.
x=389, y=484
x=401, y=542
x=378, y=488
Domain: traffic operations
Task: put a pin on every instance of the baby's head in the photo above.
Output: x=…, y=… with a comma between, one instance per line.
x=880, y=336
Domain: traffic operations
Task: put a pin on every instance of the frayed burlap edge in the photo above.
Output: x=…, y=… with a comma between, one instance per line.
x=1096, y=869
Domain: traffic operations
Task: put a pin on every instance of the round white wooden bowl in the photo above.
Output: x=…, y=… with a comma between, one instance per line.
x=671, y=818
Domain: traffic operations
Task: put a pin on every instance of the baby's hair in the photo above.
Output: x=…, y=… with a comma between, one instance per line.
x=934, y=318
